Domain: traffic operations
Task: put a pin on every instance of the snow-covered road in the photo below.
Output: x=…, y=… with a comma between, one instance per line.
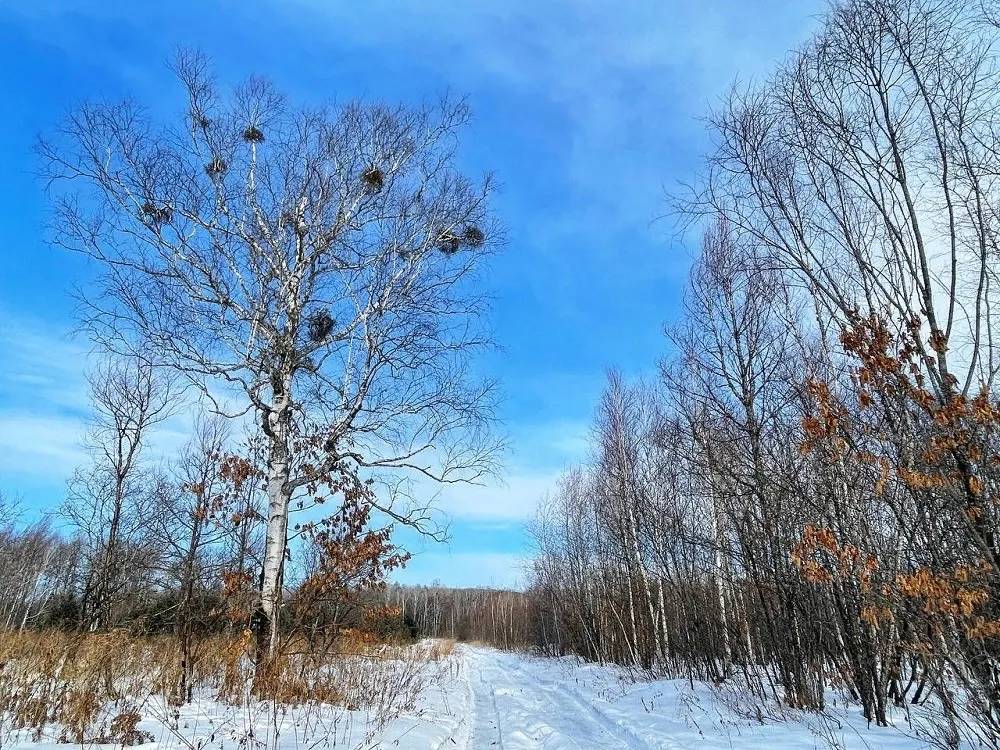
x=520, y=703
x=503, y=701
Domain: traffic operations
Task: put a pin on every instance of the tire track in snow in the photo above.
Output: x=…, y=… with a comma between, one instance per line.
x=530, y=712
x=604, y=719
x=494, y=709
x=460, y=735
x=484, y=719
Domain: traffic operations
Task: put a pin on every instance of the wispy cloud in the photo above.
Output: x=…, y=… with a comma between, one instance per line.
x=621, y=84
x=43, y=400
x=45, y=406
x=45, y=446
x=42, y=365
x=44, y=409
x=513, y=500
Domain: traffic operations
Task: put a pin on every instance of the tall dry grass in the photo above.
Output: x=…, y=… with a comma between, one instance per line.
x=98, y=688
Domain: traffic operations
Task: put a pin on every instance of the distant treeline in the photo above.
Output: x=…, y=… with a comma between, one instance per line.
x=499, y=618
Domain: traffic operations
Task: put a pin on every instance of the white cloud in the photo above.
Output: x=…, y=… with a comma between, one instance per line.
x=513, y=500
x=41, y=446
x=540, y=453
x=556, y=444
x=625, y=79
x=42, y=366
x=45, y=405
x=44, y=408
x=43, y=400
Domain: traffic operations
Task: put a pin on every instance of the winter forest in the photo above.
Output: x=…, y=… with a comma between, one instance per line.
x=783, y=532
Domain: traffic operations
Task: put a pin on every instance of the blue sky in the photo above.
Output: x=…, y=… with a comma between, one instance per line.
x=589, y=111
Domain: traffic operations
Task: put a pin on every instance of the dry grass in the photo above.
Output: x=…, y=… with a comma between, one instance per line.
x=86, y=685
x=440, y=648
x=97, y=688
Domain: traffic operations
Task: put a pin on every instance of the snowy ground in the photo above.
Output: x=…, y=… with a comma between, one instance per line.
x=502, y=701
x=480, y=699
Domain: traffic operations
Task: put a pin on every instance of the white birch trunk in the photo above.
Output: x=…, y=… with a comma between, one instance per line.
x=278, y=501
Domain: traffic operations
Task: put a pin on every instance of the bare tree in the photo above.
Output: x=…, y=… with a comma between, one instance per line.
x=318, y=262
x=500, y=618
x=109, y=498
x=37, y=567
x=865, y=172
x=190, y=524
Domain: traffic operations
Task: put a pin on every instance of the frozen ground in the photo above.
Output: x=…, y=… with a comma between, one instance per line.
x=502, y=701
x=480, y=699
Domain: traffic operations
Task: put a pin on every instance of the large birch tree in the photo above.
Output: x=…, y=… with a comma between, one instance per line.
x=313, y=266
